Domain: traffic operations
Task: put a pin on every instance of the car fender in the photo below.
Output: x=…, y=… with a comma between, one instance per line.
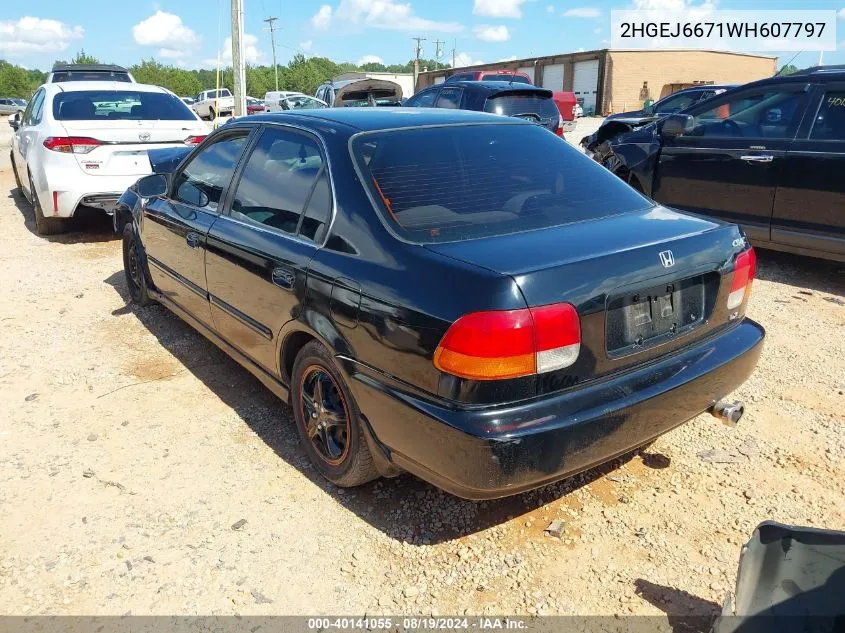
x=638, y=153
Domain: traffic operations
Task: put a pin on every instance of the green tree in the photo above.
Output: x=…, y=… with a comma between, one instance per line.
x=15, y=81
x=84, y=58
x=788, y=69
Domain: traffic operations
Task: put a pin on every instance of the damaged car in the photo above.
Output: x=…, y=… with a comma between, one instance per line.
x=767, y=156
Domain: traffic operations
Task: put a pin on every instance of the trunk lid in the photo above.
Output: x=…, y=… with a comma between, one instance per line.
x=632, y=306
x=125, y=143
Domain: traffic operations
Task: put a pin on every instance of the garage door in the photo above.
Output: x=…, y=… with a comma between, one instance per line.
x=553, y=76
x=585, y=84
x=528, y=70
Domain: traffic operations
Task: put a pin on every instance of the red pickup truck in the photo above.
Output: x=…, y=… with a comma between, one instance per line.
x=565, y=101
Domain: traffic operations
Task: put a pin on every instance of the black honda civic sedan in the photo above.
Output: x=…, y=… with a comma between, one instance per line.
x=455, y=294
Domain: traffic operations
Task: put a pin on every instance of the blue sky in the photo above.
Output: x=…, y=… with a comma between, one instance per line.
x=190, y=33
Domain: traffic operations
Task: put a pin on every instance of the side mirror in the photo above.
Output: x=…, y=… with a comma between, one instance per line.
x=152, y=186
x=15, y=121
x=676, y=125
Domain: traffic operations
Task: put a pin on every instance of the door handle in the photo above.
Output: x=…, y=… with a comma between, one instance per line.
x=193, y=239
x=758, y=158
x=283, y=278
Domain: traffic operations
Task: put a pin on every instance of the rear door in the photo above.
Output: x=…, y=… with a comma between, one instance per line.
x=809, y=208
x=26, y=136
x=175, y=227
x=729, y=166
x=258, y=253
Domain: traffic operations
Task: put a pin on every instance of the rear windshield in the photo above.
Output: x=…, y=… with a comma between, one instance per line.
x=517, y=79
x=515, y=105
x=473, y=181
x=102, y=105
x=91, y=75
x=218, y=94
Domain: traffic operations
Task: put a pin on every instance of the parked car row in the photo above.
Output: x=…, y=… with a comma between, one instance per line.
x=766, y=155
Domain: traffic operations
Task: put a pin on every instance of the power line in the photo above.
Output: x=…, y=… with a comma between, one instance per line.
x=270, y=21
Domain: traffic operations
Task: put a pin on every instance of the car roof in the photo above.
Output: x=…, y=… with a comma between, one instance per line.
x=492, y=87
x=371, y=119
x=117, y=86
x=60, y=67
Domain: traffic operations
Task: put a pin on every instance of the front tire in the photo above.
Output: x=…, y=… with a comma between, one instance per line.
x=133, y=267
x=211, y=114
x=43, y=224
x=328, y=420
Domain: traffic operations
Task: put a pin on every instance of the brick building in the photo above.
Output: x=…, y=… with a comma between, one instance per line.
x=608, y=80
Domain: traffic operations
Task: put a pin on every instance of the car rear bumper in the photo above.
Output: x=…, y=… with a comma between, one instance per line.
x=495, y=452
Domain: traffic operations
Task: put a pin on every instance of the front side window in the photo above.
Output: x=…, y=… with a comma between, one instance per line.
x=676, y=103
x=768, y=113
x=422, y=100
x=202, y=183
x=279, y=179
x=829, y=124
x=450, y=98
x=475, y=181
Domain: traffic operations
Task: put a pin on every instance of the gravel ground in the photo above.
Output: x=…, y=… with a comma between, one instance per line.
x=142, y=471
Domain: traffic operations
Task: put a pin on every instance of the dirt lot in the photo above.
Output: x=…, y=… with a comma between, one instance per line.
x=143, y=471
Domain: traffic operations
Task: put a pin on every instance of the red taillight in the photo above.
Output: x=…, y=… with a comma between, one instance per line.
x=71, y=144
x=195, y=140
x=510, y=343
x=744, y=270
x=559, y=130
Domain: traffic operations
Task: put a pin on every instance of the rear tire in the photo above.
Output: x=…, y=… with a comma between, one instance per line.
x=43, y=224
x=328, y=420
x=136, y=279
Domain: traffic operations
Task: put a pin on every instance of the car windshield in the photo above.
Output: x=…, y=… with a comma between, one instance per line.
x=474, y=181
x=102, y=105
x=517, y=79
x=304, y=103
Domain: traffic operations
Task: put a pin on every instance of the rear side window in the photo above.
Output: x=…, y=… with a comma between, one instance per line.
x=474, y=181
x=107, y=105
x=284, y=173
x=522, y=104
x=450, y=98
x=830, y=120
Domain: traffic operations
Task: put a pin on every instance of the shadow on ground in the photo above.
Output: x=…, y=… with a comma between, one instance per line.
x=802, y=273
x=405, y=508
x=685, y=612
x=87, y=226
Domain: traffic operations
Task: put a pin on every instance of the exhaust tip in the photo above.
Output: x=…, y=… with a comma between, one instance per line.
x=730, y=413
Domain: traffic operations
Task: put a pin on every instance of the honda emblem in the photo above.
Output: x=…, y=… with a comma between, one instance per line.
x=144, y=136
x=667, y=259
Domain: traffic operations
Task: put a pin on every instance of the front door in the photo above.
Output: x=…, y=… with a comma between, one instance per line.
x=729, y=165
x=810, y=202
x=26, y=137
x=175, y=227
x=258, y=252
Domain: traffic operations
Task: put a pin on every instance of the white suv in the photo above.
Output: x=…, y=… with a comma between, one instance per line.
x=83, y=143
x=211, y=104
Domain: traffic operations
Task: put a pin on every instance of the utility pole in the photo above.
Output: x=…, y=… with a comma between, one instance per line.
x=454, y=49
x=437, y=52
x=273, y=44
x=418, y=50
x=238, y=67
x=821, y=58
